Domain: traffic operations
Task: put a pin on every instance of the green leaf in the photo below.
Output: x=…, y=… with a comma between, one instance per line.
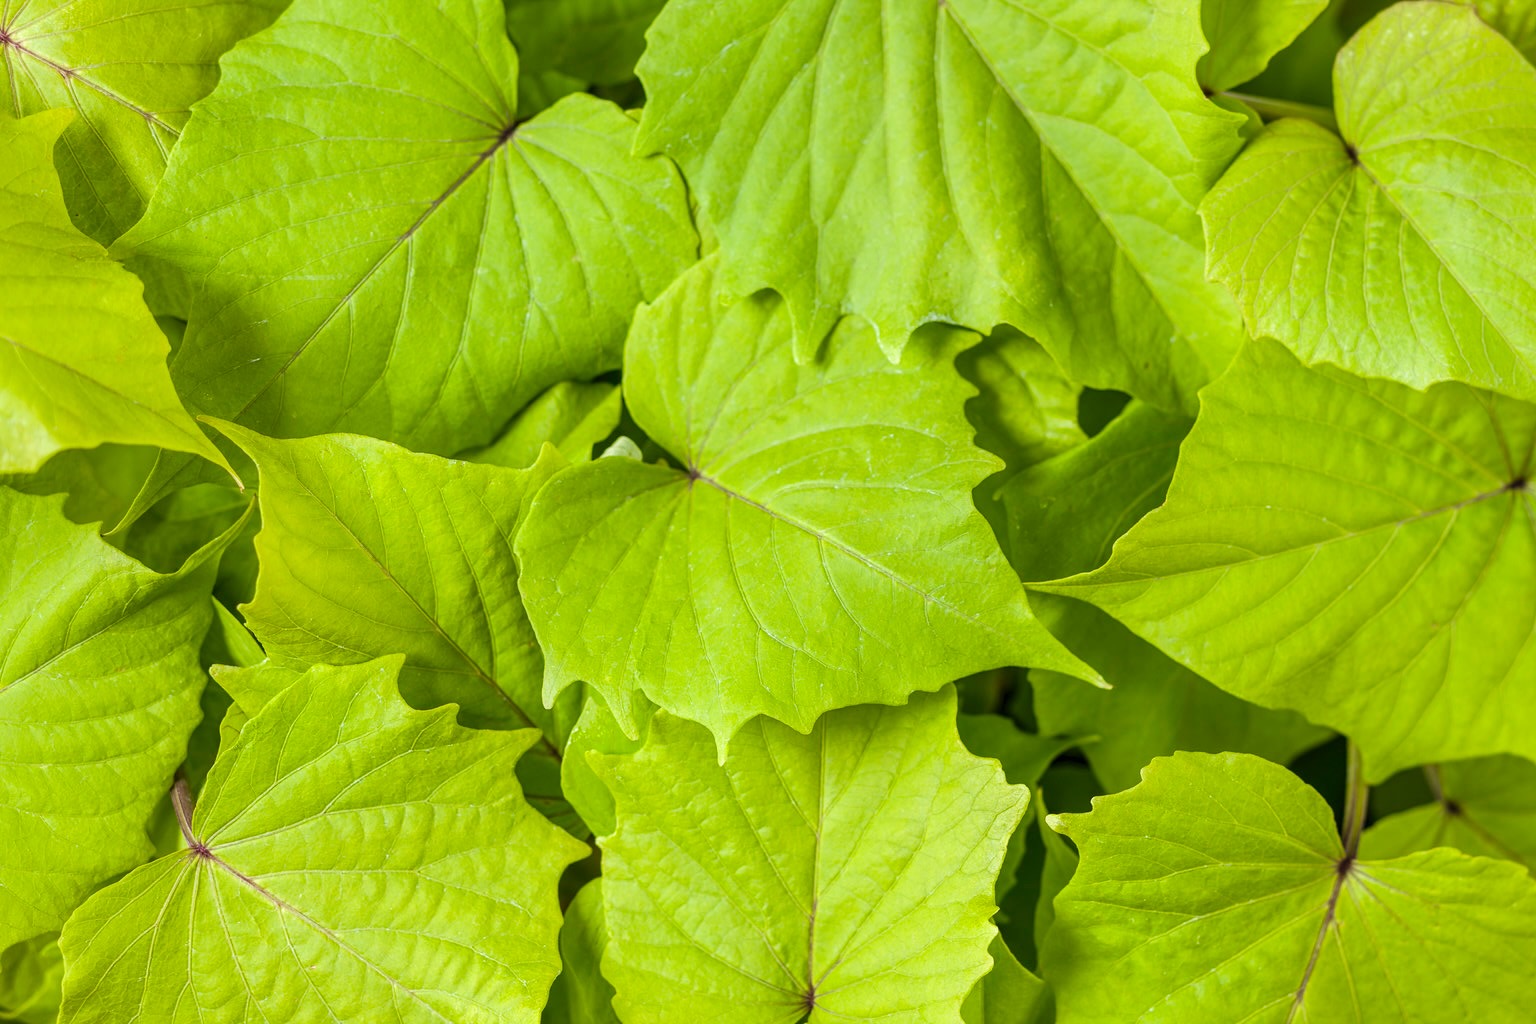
x=367, y=549
x=349, y=859
x=1396, y=251
x=1030, y=162
x=1514, y=19
x=1350, y=549
x=571, y=416
x=594, y=40
x=1026, y=409
x=1064, y=514
x=130, y=69
x=1245, y=34
x=1058, y=865
x=82, y=362
x=597, y=732
x=1009, y=994
x=1218, y=890
x=1024, y=757
x=844, y=874
x=99, y=689
x=581, y=995
x=818, y=549
x=1156, y=706
x=1485, y=807
x=424, y=278
x=99, y=484
x=30, y=975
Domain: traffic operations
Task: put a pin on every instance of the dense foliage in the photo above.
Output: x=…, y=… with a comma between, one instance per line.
x=635, y=512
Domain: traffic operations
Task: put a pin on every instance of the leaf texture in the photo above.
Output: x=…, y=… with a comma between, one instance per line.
x=861, y=862
x=1485, y=807
x=943, y=161
x=99, y=686
x=131, y=70
x=817, y=549
x=349, y=859
x=1402, y=249
x=368, y=550
x=382, y=248
x=1350, y=549
x=82, y=362
x=1218, y=890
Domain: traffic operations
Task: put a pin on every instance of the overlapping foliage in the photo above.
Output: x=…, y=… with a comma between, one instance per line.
x=622, y=511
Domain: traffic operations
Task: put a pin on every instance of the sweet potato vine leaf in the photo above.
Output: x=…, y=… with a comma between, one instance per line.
x=349, y=858
x=367, y=549
x=99, y=687
x=382, y=248
x=1030, y=162
x=131, y=69
x=1245, y=34
x=1485, y=806
x=817, y=548
x=1350, y=549
x=1155, y=707
x=846, y=874
x=1218, y=890
x=1399, y=250
x=82, y=362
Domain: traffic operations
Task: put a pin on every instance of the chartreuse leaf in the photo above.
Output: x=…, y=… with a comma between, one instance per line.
x=1245, y=34
x=947, y=161
x=1063, y=514
x=593, y=40
x=595, y=733
x=82, y=362
x=573, y=416
x=1485, y=807
x=581, y=995
x=382, y=248
x=99, y=686
x=844, y=874
x=367, y=549
x=1024, y=757
x=1397, y=251
x=130, y=69
x=1156, y=706
x=1218, y=890
x=349, y=859
x=1515, y=20
x=31, y=973
x=1009, y=994
x=1026, y=409
x=1350, y=549
x=817, y=548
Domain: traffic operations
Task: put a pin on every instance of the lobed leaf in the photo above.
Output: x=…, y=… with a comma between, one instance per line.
x=350, y=859
x=131, y=70
x=383, y=248
x=368, y=550
x=1399, y=250
x=1030, y=162
x=99, y=687
x=847, y=873
x=817, y=549
x=1219, y=890
x=1350, y=549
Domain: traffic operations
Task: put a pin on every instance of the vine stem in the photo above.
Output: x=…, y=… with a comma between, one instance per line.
x=1273, y=109
x=1356, y=799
